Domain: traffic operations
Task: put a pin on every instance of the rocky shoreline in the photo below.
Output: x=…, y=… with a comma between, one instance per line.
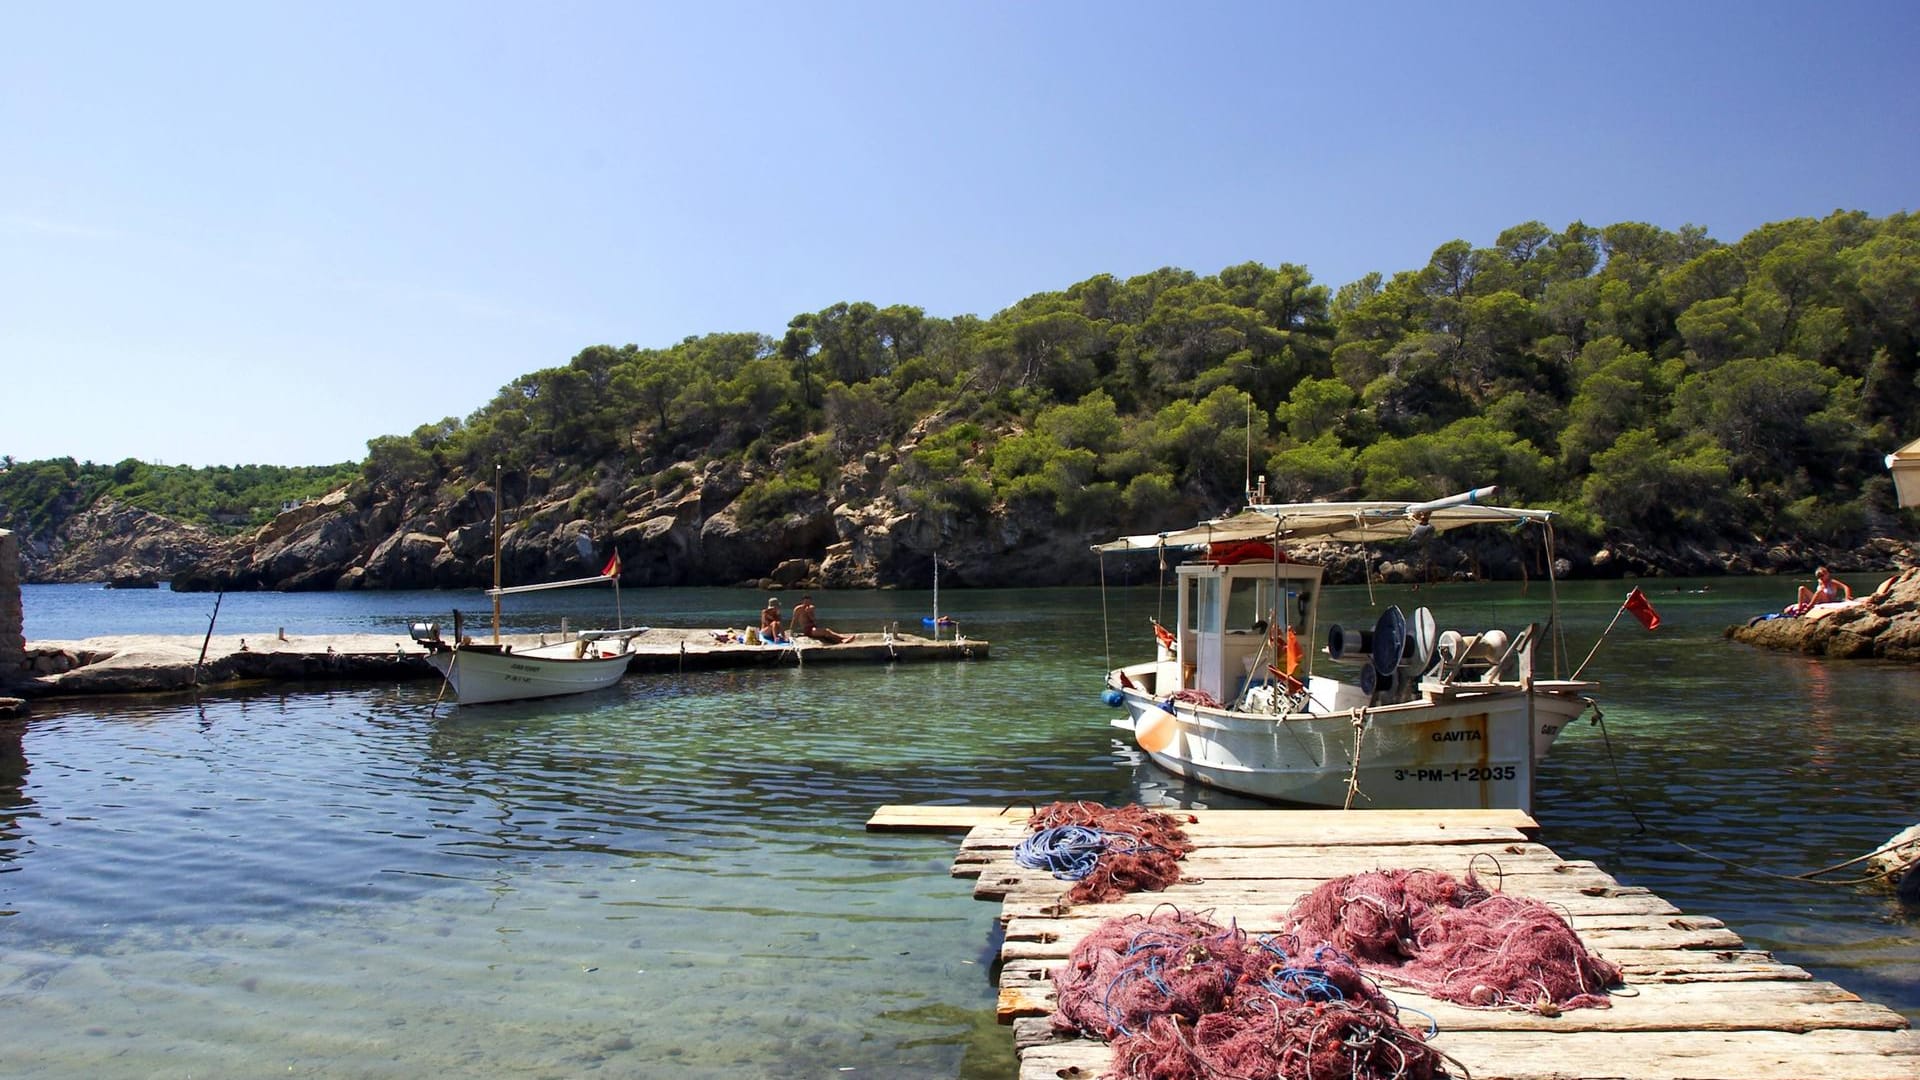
x=1885, y=625
x=864, y=536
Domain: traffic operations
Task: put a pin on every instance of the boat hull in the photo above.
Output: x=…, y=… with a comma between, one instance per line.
x=480, y=676
x=1476, y=750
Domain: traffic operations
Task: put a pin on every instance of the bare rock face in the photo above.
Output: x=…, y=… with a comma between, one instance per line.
x=731, y=552
x=1886, y=626
x=108, y=541
x=405, y=561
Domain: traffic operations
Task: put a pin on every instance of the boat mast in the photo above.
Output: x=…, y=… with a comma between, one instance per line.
x=936, y=596
x=496, y=554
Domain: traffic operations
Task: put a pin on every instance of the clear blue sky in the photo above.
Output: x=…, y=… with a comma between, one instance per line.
x=267, y=232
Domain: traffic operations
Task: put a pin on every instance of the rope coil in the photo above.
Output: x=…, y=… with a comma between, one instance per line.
x=1070, y=852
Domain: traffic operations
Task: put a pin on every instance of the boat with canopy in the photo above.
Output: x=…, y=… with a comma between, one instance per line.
x=1237, y=697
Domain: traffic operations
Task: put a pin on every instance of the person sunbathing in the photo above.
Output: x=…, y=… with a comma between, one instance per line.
x=772, y=629
x=805, y=626
x=1827, y=589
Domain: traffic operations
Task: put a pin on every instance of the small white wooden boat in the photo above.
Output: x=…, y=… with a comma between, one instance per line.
x=479, y=673
x=1235, y=697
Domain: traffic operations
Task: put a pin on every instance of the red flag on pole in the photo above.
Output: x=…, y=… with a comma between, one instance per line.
x=1642, y=609
x=612, y=569
x=1294, y=653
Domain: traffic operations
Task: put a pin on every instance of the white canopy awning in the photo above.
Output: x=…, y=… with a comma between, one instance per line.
x=514, y=589
x=1905, y=463
x=1354, y=522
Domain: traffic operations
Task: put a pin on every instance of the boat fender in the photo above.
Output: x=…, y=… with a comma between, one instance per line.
x=1155, y=730
x=1114, y=697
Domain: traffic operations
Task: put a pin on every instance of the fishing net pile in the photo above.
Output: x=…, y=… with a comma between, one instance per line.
x=1108, y=851
x=1456, y=941
x=1181, y=998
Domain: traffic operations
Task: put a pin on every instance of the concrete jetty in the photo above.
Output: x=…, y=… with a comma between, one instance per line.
x=157, y=663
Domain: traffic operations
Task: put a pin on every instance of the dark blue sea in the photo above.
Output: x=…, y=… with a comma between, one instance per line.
x=671, y=877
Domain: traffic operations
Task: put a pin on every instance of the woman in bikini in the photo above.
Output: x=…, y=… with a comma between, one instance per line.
x=1827, y=590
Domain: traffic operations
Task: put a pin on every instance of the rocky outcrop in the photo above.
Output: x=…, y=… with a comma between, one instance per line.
x=687, y=526
x=109, y=541
x=1884, y=626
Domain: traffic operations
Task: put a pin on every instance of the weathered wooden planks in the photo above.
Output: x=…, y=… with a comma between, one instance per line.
x=1523, y=1055
x=1697, y=1002
x=925, y=817
x=1214, y=824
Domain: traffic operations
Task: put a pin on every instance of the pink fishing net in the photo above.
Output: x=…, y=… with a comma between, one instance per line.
x=1136, y=967
x=1272, y=1037
x=1456, y=941
x=1183, y=998
x=1150, y=845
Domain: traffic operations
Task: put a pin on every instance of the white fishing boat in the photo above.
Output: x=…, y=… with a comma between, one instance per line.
x=482, y=672
x=1237, y=698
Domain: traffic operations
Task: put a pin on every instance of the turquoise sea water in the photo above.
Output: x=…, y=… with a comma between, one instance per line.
x=671, y=878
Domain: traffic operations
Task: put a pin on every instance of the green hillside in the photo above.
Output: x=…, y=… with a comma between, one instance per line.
x=1647, y=383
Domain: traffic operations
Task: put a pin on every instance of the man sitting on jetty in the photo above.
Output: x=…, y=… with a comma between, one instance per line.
x=804, y=626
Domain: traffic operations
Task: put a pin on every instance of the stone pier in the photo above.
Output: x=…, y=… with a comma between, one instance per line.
x=13, y=643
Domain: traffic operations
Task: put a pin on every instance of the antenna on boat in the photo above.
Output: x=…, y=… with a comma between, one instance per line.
x=496, y=553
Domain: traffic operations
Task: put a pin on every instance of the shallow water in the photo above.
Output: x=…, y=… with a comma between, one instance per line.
x=671, y=877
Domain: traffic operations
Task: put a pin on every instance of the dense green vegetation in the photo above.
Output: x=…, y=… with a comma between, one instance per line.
x=1644, y=381
x=36, y=495
x=1650, y=383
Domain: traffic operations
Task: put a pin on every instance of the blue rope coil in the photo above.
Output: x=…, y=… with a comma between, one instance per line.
x=1069, y=852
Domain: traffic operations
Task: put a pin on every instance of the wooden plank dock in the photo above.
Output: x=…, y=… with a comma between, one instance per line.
x=1697, y=1002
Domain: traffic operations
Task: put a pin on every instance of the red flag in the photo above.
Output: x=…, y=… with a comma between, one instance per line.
x=612, y=569
x=1166, y=639
x=1294, y=652
x=1642, y=609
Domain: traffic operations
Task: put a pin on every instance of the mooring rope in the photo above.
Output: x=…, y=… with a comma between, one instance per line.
x=434, y=714
x=1810, y=877
x=1353, y=776
x=1106, y=635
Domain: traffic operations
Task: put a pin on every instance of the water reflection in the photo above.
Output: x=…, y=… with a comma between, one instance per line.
x=14, y=803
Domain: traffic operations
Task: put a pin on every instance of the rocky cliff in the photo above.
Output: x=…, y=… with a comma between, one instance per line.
x=859, y=536
x=687, y=527
x=110, y=542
